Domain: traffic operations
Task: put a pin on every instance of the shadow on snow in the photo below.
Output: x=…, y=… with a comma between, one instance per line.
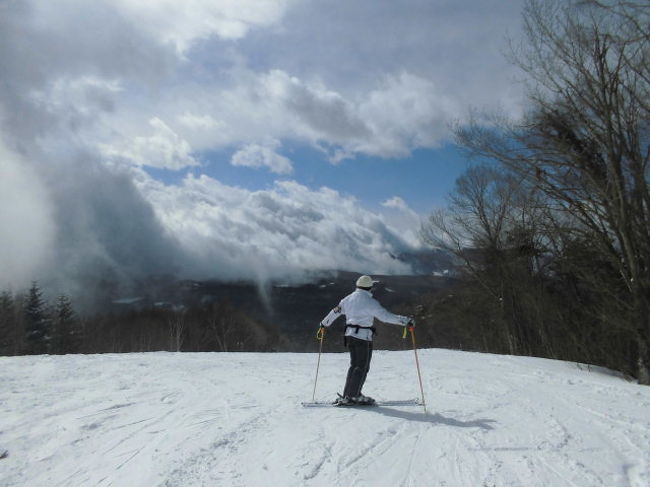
x=436, y=418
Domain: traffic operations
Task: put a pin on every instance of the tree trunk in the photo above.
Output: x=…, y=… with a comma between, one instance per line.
x=643, y=361
x=643, y=343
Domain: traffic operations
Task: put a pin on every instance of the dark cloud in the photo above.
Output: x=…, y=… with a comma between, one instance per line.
x=104, y=226
x=351, y=46
x=327, y=113
x=90, y=218
x=42, y=43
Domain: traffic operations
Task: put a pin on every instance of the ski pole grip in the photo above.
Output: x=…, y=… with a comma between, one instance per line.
x=320, y=334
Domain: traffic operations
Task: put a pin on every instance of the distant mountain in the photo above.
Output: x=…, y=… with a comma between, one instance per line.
x=295, y=308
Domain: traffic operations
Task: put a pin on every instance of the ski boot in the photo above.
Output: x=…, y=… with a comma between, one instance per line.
x=345, y=401
x=362, y=400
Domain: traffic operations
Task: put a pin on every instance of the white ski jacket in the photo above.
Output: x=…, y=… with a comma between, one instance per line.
x=360, y=309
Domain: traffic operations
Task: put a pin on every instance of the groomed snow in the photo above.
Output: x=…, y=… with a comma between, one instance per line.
x=226, y=419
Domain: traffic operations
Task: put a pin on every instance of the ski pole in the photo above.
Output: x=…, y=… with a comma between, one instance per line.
x=319, y=335
x=417, y=364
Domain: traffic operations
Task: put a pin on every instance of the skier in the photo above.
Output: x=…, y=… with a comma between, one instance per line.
x=360, y=310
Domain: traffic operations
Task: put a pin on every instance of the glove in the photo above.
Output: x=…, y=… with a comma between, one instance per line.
x=410, y=324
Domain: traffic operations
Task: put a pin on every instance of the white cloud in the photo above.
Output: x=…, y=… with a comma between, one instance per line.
x=78, y=98
x=200, y=122
x=402, y=113
x=397, y=203
x=163, y=149
x=155, y=82
x=395, y=90
x=405, y=113
x=401, y=216
x=381, y=85
x=272, y=233
x=263, y=155
x=322, y=111
x=26, y=221
x=178, y=24
x=182, y=23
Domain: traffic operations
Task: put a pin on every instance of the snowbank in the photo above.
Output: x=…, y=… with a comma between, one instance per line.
x=221, y=419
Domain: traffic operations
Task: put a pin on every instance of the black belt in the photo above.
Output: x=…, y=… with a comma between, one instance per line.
x=356, y=331
x=357, y=327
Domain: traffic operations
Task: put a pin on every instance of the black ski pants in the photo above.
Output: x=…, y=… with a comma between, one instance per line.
x=360, y=355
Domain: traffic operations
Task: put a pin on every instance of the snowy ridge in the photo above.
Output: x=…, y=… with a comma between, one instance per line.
x=167, y=419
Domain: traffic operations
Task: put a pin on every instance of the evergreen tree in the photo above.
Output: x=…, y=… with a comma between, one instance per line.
x=37, y=324
x=67, y=331
x=7, y=324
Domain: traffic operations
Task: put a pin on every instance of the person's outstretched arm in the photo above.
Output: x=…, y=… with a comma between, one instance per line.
x=332, y=316
x=382, y=314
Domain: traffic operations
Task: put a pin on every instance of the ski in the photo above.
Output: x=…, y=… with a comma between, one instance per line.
x=325, y=404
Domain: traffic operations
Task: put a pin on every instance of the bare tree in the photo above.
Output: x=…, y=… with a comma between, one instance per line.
x=177, y=325
x=632, y=37
x=586, y=141
x=221, y=327
x=490, y=225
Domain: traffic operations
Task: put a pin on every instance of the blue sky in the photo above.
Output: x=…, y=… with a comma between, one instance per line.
x=248, y=138
x=423, y=178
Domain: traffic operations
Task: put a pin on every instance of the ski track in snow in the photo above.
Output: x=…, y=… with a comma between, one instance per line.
x=227, y=419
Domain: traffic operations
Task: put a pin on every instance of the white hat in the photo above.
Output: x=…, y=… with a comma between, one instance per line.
x=365, y=281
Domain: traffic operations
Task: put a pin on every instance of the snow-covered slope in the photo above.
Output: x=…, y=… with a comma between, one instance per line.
x=216, y=419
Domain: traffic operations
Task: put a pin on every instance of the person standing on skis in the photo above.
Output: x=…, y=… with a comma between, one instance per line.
x=360, y=309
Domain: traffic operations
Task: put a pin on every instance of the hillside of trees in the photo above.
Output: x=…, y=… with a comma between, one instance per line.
x=553, y=225
x=30, y=324
x=196, y=316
